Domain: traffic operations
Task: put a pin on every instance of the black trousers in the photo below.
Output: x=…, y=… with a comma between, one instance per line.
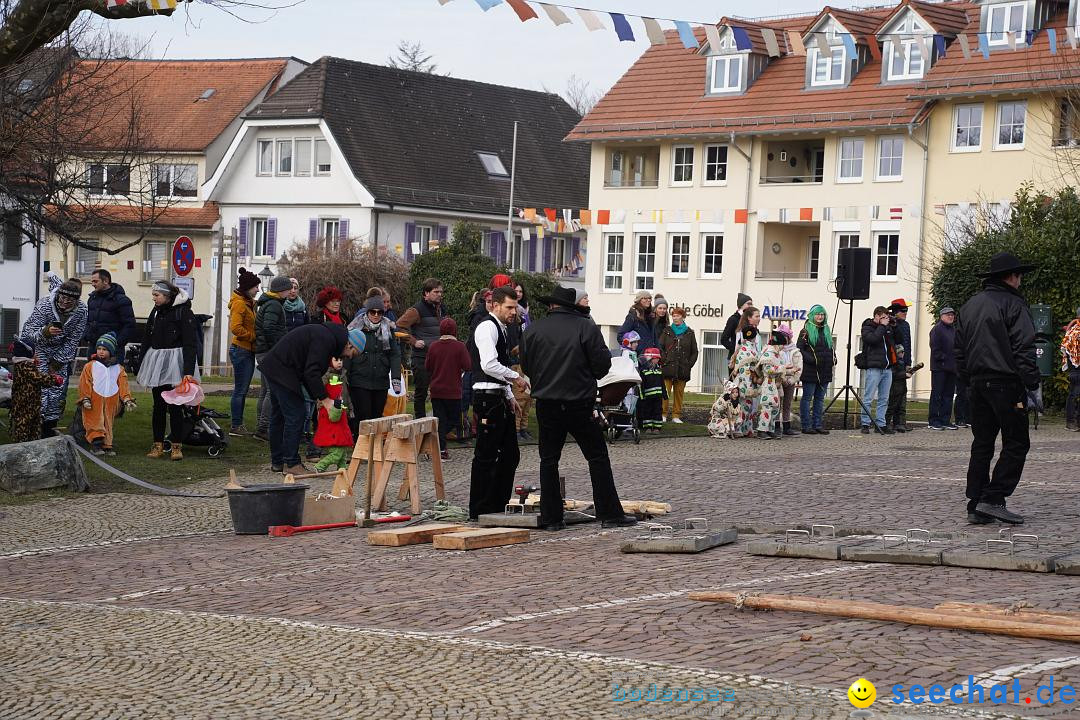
x=496, y=456
x=366, y=404
x=556, y=419
x=896, y=412
x=175, y=414
x=994, y=408
x=421, y=381
x=960, y=409
x=1072, y=404
x=942, y=390
x=448, y=413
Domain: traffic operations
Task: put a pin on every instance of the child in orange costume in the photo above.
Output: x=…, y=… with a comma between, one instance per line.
x=103, y=386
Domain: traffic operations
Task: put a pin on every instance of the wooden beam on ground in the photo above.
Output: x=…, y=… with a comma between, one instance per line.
x=415, y=535
x=910, y=615
x=478, y=539
x=1023, y=614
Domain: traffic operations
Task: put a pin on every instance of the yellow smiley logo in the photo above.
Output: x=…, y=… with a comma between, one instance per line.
x=862, y=693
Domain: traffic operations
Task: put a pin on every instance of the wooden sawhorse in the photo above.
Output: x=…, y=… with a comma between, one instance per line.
x=406, y=442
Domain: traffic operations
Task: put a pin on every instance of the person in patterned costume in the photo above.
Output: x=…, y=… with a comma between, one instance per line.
x=54, y=329
x=26, y=388
x=745, y=371
x=770, y=370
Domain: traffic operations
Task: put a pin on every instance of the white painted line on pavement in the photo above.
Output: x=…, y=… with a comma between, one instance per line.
x=499, y=622
x=106, y=543
x=1003, y=675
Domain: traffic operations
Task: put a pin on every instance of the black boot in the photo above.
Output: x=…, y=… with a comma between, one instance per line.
x=788, y=430
x=48, y=428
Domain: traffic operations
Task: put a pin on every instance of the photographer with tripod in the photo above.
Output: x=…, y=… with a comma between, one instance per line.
x=878, y=356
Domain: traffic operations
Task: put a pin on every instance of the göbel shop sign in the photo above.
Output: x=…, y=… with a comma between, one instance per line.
x=767, y=311
x=183, y=255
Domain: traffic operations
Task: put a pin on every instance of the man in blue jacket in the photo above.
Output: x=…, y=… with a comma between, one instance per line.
x=943, y=371
x=108, y=310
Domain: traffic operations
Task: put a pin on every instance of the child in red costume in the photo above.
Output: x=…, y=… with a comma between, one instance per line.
x=333, y=434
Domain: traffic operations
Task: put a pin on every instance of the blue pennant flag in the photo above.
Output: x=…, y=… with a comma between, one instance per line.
x=849, y=45
x=622, y=27
x=984, y=46
x=1051, y=35
x=939, y=45
x=686, y=34
x=488, y=4
x=742, y=40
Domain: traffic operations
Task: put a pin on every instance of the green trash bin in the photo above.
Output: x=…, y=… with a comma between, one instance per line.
x=1042, y=316
x=1044, y=356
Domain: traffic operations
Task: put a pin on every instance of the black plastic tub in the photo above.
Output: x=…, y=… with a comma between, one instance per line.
x=255, y=508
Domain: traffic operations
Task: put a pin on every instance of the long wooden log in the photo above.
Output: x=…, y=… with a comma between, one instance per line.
x=1024, y=614
x=910, y=615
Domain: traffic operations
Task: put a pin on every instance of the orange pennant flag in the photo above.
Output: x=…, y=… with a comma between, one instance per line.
x=603, y=217
x=741, y=217
x=585, y=218
x=806, y=214
x=522, y=9
x=530, y=214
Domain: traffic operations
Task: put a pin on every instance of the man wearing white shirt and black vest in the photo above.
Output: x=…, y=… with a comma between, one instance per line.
x=495, y=459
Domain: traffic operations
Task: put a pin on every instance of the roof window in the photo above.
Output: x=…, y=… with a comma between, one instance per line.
x=207, y=94
x=492, y=164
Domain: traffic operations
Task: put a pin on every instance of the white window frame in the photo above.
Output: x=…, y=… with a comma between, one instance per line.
x=644, y=279
x=492, y=163
x=424, y=236
x=998, y=145
x=1006, y=9
x=614, y=262
x=843, y=237
x=877, y=234
x=156, y=271
x=302, y=169
x=727, y=61
x=258, y=237
x=676, y=150
x=279, y=156
x=860, y=159
x=171, y=168
x=331, y=241
x=718, y=164
x=705, y=238
x=683, y=255
x=616, y=164
x=105, y=180
x=838, y=58
x=321, y=146
x=956, y=128
x=880, y=177
x=259, y=155
x=813, y=257
x=915, y=44
x=87, y=260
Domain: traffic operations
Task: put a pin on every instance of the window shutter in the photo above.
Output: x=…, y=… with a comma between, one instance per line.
x=410, y=237
x=547, y=254
x=574, y=256
x=242, y=238
x=529, y=248
x=271, y=237
x=313, y=233
x=343, y=230
x=498, y=248
x=444, y=234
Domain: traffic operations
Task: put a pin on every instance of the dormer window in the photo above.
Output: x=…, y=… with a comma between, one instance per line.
x=826, y=70
x=727, y=73
x=908, y=63
x=1006, y=18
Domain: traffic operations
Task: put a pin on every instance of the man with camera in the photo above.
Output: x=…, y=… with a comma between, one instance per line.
x=995, y=357
x=878, y=355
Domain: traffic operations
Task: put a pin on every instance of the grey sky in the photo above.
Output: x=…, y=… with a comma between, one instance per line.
x=492, y=46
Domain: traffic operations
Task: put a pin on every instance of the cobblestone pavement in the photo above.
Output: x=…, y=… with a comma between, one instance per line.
x=137, y=606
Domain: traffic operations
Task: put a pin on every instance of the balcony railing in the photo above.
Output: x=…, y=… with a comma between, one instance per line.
x=781, y=275
x=789, y=179
x=644, y=183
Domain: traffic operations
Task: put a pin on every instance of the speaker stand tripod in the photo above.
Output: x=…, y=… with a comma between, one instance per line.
x=848, y=389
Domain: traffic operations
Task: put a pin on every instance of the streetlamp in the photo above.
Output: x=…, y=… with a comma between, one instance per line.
x=266, y=276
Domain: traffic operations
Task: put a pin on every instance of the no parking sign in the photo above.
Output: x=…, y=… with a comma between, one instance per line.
x=183, y=255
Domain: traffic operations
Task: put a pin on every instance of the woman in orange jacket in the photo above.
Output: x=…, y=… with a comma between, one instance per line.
x=242, y=349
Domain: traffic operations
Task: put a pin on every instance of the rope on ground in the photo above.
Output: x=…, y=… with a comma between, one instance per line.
x=136, y=481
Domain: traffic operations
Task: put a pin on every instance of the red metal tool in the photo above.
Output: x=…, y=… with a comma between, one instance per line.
x=393, y=518
x=290, y=530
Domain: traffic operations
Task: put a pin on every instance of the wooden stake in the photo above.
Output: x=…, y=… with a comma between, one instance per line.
x=232, y=484
x=1023, y=614
x=954, y=620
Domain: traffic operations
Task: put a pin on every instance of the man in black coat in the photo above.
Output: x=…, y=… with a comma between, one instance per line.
x=564, y=354
x=995, y=356
x=879, y=354
x=943, y=371
x=727, y=338
x=295, y=364
x=108, y=310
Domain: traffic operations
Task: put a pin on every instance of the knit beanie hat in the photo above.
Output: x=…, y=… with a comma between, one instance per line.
x=246, y=280
x=281, y=284
x=448, y=326
x=108, y=341
x=358, y=339
x=659, y=300
x=743, y=299
x=500, y=280
x=375, y=303
x=72, y=287
x=579, y=295
x=326, y=295
x=642, y=294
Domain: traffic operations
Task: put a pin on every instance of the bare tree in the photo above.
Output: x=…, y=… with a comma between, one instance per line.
x=352, y=268
x=580, y=95
x=412, y=56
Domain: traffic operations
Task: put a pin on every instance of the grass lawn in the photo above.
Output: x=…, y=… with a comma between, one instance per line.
x=133, y=439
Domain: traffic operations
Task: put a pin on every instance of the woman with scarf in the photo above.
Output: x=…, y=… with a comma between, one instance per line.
x=370, y=371
x=295, y=309
x=746, y=370
x=168, y=358
x=328, y=306
x=818, y=358
x=53, y=330
x=679, y=349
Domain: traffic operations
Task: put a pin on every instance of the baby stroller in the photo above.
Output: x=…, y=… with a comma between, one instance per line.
x=616, y=406
x=201, y=430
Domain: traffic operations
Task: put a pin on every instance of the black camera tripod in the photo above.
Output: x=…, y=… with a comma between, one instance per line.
x=848, y=389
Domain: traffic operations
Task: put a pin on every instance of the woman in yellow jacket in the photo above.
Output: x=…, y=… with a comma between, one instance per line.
x=242, y=349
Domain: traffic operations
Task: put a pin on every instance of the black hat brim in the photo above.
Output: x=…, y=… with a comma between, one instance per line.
x=1018, y=269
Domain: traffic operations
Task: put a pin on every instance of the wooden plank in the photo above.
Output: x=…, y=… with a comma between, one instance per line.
x=411, y=428
x=482, y=538
x=415, y=535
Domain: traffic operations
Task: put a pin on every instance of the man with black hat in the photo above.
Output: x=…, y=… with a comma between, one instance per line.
x=728, y=337
x=995, y=356
x=564, y=354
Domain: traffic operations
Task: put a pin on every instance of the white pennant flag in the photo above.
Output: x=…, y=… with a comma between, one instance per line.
x=591, y=21
x=555, y=13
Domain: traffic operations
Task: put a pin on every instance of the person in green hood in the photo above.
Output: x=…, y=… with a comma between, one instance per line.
x=818, y=359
